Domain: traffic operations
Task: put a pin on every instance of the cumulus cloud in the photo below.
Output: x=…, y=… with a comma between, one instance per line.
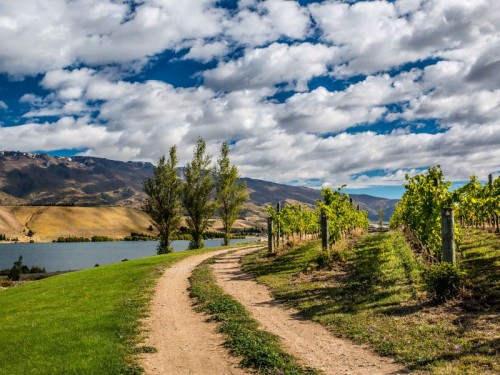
x=401, y=62
x=268, y=66
x=41, y=35
x=257, y=23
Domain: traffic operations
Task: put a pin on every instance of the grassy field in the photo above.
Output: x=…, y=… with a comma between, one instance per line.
x=374, y=293
x=83, y=322
x=260, y=350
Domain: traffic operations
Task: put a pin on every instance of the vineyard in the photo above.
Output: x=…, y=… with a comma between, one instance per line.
x=292, y=222
x=418, y=213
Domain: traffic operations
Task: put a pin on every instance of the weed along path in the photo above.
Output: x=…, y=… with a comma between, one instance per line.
x=185, y=342
x=314, y=345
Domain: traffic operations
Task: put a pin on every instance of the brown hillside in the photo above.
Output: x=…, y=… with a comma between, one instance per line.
x=49, y=223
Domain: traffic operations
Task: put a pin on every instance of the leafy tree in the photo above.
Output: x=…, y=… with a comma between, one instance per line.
x=231, y=194
x=162, y=204
x=197, y=194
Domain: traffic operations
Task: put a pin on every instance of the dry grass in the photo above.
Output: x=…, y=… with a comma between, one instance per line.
x=52, y=222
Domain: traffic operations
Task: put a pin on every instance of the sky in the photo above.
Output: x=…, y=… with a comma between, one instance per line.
x=311, y=93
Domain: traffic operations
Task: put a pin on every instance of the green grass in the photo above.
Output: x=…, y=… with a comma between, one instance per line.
x=259, y=349
x=376, y=296
x=83, y=322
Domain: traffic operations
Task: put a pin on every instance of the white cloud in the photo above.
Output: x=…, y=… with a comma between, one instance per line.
x=207, y=51
x=379, y=35
x=41, y=35
x=277, y=63
x=3, y=105
x=276, y=50
x=257, y=23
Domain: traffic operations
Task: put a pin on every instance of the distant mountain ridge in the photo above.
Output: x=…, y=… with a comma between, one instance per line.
x=43, y=180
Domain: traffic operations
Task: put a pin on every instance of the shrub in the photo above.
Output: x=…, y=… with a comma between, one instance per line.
x=37, y=269
x=444, y=281
x=15, y=271
x=4, y=283
x=323, y=260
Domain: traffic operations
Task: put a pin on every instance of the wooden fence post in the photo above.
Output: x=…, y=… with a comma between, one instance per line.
x=447, y=233
x=324, y=232
x=270, y=235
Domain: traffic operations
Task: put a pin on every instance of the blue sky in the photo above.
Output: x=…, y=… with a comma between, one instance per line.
x=308, y=92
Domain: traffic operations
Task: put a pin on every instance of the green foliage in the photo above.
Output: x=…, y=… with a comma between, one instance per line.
x=196, y=244
x=197, y=194
x=36, y=269
x=3, y=237
x=140, y=237
x=73, y=239
x=419, y=210
x=162, y=204
x=101, y=239
x=444, y=281
x=231, y=194
x=259, y=349
x=30, y=233
x=16, y=270
x=342, y=216
x=294, y=220
x=478, y=205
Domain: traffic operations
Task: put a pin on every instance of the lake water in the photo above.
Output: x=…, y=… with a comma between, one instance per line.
x=81, y=255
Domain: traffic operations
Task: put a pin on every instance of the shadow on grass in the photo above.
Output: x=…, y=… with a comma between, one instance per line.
x=362, y=283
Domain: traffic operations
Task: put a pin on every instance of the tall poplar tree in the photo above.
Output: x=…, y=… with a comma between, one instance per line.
x=231, y=194
x=197, y=194
x=162, y=204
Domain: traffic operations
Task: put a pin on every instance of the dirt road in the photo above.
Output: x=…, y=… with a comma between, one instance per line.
x=186, y=343
x=308, y=341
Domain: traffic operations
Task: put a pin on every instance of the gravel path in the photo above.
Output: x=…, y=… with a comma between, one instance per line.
x=186, y=342
x=311, y=343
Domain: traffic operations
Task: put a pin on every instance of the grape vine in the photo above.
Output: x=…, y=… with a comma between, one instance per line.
x=419, y=211
x=300, y=222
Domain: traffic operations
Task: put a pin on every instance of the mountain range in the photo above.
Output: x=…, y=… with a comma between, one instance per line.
x=41, y=180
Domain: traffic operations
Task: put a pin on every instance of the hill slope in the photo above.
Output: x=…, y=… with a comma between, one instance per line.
x=42, y=180
x=49, y=222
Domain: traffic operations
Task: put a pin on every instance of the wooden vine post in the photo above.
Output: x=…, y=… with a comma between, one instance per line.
x=324, y=232
x=278, y=226
x=447, y=233
x=270, y=235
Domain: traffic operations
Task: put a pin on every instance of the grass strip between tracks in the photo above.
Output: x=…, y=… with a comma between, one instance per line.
x=260, y=350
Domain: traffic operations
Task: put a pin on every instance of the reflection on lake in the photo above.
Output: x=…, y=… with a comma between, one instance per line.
x=81, y=255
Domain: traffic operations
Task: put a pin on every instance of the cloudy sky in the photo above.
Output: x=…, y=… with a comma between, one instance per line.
x=307, y=92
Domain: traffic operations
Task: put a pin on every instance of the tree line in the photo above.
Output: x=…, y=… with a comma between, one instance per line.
x=204, y=191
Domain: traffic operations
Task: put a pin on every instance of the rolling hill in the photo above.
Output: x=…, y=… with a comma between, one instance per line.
x=28, y=179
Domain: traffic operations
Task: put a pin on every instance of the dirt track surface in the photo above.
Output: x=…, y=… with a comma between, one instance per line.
x=186, y=343
x=308, y=341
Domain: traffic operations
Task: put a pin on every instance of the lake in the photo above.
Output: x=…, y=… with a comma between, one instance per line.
x=81, y=255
